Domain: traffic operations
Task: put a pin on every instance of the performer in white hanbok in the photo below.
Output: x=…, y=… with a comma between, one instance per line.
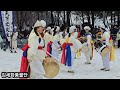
x=35, y=54
x=56, y=42
x=14, y=41
x=87, y=44
x=78, y=51
x=69, y=49
x=106, y=44
x=49, y=44
x=47, y=36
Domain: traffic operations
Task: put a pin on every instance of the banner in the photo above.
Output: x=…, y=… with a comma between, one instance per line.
x=8, y=24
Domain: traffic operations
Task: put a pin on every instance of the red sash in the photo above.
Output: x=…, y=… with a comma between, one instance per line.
x=24, y=61
x=40, y=47
x=49, y=48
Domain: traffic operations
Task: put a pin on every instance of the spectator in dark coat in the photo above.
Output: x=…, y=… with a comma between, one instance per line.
x=114, y=32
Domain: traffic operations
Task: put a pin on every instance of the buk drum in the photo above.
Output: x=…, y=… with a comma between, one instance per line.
x=51, y=67
x=104, y=50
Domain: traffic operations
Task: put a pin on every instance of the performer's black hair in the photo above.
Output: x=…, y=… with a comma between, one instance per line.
x=54, y=31
x=35, y=30
x=103, y=29
x=63, y=27
x=69, y=34
x=46, y=31
x=49, y=32
x=68, y=29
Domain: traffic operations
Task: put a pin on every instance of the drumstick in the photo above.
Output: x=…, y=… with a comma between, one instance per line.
x=81, y=48
x=49, y=54
x=28, y=66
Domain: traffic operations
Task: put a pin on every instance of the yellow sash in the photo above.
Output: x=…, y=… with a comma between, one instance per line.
x=78, y=53
x=67, y=39
x=112, y=52
x=39, y=35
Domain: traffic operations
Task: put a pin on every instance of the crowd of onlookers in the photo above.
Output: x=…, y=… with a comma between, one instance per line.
x=21, y=40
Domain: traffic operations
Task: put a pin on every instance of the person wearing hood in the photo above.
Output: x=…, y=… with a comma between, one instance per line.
x=75, y=37
x=47, y=36
x=56, y=42
x=63, y=31
x=35, y=53
x=70, y=46
x=88, y=53
x=50, y=41
x=14, y=41
x=105, y=41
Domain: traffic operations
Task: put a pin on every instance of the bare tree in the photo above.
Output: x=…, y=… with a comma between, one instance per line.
x=68, y=18
x=118, y=18
x=82, y=17
x=58, y=17
x=88, y=16
x=92, y=12
x=21, y=18
x=52, y=18
x=64, y=18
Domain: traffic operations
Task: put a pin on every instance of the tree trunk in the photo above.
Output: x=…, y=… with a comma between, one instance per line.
x=38, y=15
x=52, y=18
x=68, y=18
x=82, y=17
x=21, y=18
x=111, y=19
x=118, y=18
x=104, y=17
x=46, y=17
x=88, y=17
x=64, y=18
x=92, y=19
x=58, y=18
x=114, y=18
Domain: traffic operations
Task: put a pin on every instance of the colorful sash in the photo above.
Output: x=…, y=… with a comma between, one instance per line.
x=49, y=48
x=112, y=52
x=66, y=54
x=24, y=60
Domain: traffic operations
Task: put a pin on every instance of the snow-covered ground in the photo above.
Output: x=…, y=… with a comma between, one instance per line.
x=10, y=62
